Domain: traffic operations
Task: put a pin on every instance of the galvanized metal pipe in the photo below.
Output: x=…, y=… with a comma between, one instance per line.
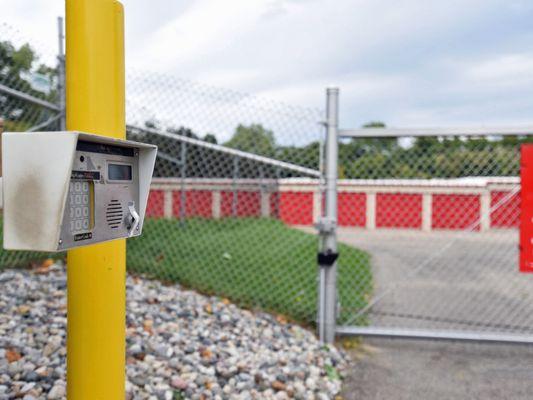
x=183, y=195
x=434, y=334
x=235, y=195
x=61, y=78
x=233, y=152
x=436, y=132
x=329, y=239
x=28, y=97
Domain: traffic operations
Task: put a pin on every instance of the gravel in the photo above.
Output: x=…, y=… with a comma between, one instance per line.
x=180, y=345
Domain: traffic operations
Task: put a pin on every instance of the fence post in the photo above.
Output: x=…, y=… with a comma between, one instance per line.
x=327, y=226
x=235, y=196
x=264, y=195
x=183, y=193
x=61, y=76
x=1, y=192
x=1, y=131
x=96, y=275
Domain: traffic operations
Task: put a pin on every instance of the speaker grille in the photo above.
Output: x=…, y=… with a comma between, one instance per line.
x=114, y=214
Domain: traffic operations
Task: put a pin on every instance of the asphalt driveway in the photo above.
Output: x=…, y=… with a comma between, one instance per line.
x=387, y=369
x=444, y=280
x=458, y=281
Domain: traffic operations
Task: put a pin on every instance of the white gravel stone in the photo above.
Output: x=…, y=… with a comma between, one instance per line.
x=57, y=392
x=179, y=343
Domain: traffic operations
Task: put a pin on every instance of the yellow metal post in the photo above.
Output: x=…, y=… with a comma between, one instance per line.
x=96, y=274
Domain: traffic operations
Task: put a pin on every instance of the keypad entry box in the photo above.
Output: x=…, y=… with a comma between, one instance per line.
x=64, y=190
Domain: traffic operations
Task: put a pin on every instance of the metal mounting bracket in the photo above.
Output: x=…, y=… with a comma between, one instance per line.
x=326, y=226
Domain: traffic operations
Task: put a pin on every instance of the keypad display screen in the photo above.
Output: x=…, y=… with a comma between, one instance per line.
x=79, y=204
x=119, y=172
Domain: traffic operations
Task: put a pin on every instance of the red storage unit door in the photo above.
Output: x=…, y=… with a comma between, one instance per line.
x=456, y=211
x=352, y=209
x=156, y=204
x=505, y=210
x=296, y=208
x=198, y=203
x=248, y=204
x=398, y=210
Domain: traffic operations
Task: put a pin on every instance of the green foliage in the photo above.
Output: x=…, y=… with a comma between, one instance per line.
x=208, y=163
x=253, y=139
x=305, y=156
x=15, y=65
x=430, y=157
x=365, y=158
x=375, y=124
x=256, y=262
x=199, y=162
x=210, y=138
x=22, y=58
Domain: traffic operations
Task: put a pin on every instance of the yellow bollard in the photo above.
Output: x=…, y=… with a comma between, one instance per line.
x=96, y=274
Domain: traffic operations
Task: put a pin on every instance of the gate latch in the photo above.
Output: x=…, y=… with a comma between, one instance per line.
x=327, y=258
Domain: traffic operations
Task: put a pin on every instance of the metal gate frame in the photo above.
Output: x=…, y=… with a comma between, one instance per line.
x=327, y=227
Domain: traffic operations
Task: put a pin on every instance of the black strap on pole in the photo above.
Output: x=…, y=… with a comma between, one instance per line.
x=327, y=258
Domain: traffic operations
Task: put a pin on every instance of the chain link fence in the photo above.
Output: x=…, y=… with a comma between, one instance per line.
x=28, y=99
x=236, y=179
x=217, y=207
x=428, y=226
x=439, y=217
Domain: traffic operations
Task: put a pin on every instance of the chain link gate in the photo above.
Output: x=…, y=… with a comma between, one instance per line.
x=436, y=211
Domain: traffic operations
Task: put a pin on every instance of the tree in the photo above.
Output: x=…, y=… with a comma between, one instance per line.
x=210, y=138
x=378, y=144
x=253, y=139
x=429, y=157
x=364, y=158
x=375, y=124
x=15, y=66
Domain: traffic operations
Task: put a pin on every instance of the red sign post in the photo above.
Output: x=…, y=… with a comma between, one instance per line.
x=526, y=209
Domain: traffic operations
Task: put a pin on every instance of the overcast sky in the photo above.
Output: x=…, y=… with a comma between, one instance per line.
x=404, y=62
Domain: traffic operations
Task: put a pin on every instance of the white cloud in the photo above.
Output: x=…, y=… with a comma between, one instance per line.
x=204, y=26
x=503, y=71
x=34, y=21
x=401, y=61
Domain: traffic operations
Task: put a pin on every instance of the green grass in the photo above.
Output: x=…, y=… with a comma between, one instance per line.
x=253, y=262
